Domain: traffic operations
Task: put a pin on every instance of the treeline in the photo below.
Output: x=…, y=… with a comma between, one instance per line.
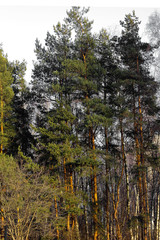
x=80, y=148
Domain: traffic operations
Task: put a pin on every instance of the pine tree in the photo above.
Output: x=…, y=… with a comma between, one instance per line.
x=138, y=88
x=6, y=94
x=57, y=143
x=20, y=113
x=85, y=72
x=108, y=67
x=48, y=71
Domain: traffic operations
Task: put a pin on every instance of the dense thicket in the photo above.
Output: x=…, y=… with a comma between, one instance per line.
x=91, y=124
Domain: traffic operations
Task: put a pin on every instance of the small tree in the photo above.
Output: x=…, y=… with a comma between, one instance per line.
x=6, y=95
x=26, y=199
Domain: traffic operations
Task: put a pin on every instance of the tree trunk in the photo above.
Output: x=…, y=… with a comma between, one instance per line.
x=137, y=229
x=115, y=206
x=2, y=116
x=157, y=225
x=95, y=217
x=126, y=173
x=56, y=210
x=107, y=188
x=116, y=203
x=2, y=225
x=138, y=162
x=1, y=151
x=77, y=229
x=145, y=195
x=86, y=221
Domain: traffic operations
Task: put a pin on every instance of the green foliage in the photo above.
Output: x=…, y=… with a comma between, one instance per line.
x=26, y=197
x=20, y=113
x=6, y=96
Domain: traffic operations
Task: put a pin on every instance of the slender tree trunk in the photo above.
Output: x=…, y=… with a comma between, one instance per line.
x=77, y=229
x=107, y=189
x=116, y=203
x=86, y=221
x=139, y=181
x=115, y=207
x=145, y=195
x=126, y=173
x=158, y=220
x=93, y=176
x=75, y=226
x=96, y=207
x=137, y=228
x=144, y=181
x=2, y=116
x=95, y=217
x=74, y=218
x=92, y=198
x=67, y=189
x=18, y=222
x=71, y=180
x=1, y=151
x=68, y=223
x=2, y=225
x=56, y=209
x=138, y=162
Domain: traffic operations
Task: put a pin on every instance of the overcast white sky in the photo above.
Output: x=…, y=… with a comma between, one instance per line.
x=22, y=21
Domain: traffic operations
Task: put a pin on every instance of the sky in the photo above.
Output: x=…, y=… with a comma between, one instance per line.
x=22, y=21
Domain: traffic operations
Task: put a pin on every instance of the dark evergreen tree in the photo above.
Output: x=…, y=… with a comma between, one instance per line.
x=48, y=72
x=139, y=89
x=20, y=111
x=92, y=112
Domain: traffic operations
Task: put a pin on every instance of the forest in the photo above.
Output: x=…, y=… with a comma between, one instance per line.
x=80, y=146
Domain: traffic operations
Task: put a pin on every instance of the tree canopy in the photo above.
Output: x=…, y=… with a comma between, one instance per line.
x=79, y=152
